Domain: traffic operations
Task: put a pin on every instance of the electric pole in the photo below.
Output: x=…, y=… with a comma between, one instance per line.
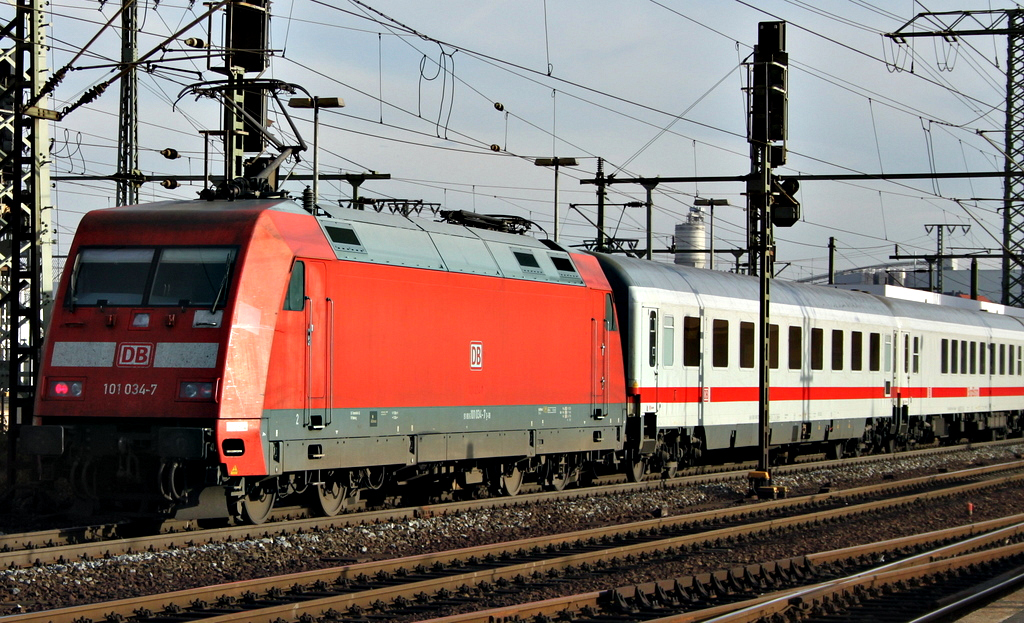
x=128, y=123
x=25, y=250
x=1009, y=22
x=940, y=247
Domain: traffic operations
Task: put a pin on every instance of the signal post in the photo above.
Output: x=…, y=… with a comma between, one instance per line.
x=770, y=202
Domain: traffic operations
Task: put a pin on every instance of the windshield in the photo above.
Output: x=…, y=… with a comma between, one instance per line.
x=185, y=276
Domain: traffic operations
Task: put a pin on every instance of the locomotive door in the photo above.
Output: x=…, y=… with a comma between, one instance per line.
x=599, y=368
x=318, y=328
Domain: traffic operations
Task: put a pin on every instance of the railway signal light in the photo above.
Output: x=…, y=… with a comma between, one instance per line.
x=785, y=207
x=770, y=99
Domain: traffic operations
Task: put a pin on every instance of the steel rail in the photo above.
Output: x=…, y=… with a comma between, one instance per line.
x=106, y=549
x=969, y=538
x=546, y=548
x=34, y=545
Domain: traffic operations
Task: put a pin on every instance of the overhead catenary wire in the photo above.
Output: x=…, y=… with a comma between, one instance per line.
x=478, y=146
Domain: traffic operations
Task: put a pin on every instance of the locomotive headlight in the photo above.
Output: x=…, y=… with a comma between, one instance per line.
x=65, y=388
x=194, y=390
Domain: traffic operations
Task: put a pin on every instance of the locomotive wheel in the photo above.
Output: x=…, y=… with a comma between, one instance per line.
x=558, y=481
x=671, y=469
x=332, y=495
x=636, y=467
x=511, y=481
x=561, y=472
x=258, y=501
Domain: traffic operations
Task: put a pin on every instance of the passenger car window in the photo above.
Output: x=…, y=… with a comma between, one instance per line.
x=837, y=349
x=747, y=346
x=691, y=341
x=720, y=343
x=817, y=349
x=796, y=348
x=668, y=341
x=856, y=350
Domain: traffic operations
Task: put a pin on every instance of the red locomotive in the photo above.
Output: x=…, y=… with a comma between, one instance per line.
x=209, y=357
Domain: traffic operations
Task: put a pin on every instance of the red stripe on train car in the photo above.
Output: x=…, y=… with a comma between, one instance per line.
x=782, y=394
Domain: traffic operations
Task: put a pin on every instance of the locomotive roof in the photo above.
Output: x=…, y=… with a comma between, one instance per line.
x=632, y=272
x=368, y=236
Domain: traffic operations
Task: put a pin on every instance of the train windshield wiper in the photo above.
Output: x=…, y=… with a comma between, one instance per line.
x=223, y=284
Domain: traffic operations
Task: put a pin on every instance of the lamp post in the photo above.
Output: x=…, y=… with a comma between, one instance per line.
x=555, y=162
x=711, y=203
x=316, y=103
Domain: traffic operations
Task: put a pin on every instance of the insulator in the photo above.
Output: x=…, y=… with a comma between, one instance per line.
x=499, y=106
x=195, y=42
x=307, y=198
x=170, y=153
x=170, y=184
x=495, y=147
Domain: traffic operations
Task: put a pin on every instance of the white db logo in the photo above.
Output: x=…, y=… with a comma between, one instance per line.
x=476, y=355
x=134, y=355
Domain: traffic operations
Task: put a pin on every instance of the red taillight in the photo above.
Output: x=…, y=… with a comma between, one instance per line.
x=66, y=389
x=194, y=390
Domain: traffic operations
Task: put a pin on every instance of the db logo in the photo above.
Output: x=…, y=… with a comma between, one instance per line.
x=476, y=355
x=134, y=355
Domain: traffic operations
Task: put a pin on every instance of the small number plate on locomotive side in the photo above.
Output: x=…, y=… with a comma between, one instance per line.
x=129, y=389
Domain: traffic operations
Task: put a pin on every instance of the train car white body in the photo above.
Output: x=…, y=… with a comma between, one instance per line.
x=849, y=370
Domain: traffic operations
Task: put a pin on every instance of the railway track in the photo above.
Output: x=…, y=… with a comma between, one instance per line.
x=431, y=582
x=852, y=583
x=105, y=540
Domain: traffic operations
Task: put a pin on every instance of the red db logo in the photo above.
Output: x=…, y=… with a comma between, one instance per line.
x=134, y=355
x=476, y=355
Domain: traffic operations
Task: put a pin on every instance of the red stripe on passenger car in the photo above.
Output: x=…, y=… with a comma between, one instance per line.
x=750, y=394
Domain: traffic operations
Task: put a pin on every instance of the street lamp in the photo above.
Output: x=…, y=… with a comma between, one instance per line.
x=316, y=103
x=711, y=203
x=555, y=162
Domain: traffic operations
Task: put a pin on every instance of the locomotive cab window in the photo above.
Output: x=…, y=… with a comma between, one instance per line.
x=172, y=276
x=295, y=299
x=609, y=313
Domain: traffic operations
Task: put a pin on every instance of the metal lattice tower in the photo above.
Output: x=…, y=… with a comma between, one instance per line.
x=1009, y=22
x=128, y=125
x=26, y=272
x=1013, y=190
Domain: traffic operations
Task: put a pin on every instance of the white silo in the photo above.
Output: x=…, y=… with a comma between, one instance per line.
x=692, y=240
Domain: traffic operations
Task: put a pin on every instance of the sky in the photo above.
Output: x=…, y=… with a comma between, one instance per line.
x=654, y=87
